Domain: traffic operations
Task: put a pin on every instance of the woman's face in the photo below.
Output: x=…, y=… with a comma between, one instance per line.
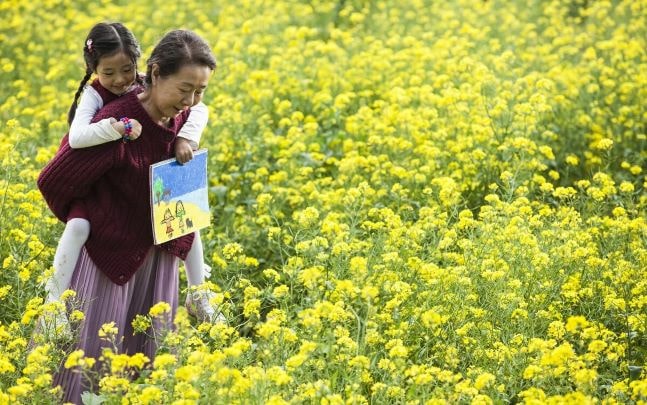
x=180, y=91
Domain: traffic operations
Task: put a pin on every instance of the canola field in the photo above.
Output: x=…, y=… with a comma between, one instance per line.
x=413, y=201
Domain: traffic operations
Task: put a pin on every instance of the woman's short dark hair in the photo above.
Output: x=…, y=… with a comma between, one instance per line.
x=176, y=49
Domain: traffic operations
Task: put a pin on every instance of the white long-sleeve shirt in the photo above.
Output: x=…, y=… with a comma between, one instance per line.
x=83, y=134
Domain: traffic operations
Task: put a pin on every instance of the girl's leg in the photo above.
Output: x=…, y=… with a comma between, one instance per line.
x=53, y=323
x=198, y=299
x=194, y=263
x=76, y=233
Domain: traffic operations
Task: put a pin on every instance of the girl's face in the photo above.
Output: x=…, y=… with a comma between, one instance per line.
x=180, y=91
x=116, y=73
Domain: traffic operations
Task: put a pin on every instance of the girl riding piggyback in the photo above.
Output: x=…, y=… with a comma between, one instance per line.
x=111, y=52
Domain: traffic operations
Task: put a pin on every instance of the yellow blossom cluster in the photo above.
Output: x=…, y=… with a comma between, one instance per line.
x=414, y=202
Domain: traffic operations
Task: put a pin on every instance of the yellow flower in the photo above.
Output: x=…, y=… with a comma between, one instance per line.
x=159, y=309
x=163, y=360
x=276, y=400
x=505, y=176
x=564, y=192
x=358, y=265
x=114, y=384
x=151, y=395
x=118, y=363
x=311, y=276
x=556, y=329
x=158, y=376
x=638, y=389
x=547, y=152
x=251, y=307
x=20, y=390
x=4, y=291
x=597, y=346
x=619, y=212
x=68, y=295
x=232, y=250
x=5, y=365
x=280, y=291
x=626, y=187
x=74, y=358
x=137, y=361
x=531, y=371
x=558, y=357
x=585, y=377
x=603, y=144
x=272, y=274
x=572, y=160
x=398, y=349
x=295, y=361
x=141, y=323
x=7, y=262
x=432, y=319
x=484, y=380
x=307, y=217
x=187, y=373
x=278, y=376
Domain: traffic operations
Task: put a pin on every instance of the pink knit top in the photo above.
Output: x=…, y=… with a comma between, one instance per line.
x=112, y=179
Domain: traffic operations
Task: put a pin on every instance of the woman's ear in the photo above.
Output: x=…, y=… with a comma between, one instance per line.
x=155, y=72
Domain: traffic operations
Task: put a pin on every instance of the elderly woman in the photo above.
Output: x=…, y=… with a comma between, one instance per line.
x=120, y=273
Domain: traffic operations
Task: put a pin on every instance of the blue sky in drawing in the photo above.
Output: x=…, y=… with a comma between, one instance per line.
x=183, y=179
x=198, y=198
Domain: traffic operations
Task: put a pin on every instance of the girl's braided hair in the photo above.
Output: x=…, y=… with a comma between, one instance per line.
x=105, y=39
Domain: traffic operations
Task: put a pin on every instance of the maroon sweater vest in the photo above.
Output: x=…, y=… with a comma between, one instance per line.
x=112, y=180
x=106, y=95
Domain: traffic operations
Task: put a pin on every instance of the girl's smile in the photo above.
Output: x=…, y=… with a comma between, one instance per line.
x=116, y=73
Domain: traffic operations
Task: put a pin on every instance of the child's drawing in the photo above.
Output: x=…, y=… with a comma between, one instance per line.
x=179, y=198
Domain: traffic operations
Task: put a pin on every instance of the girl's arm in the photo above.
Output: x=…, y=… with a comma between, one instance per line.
x=72, y=172
x=195, y=124
x=83, y=134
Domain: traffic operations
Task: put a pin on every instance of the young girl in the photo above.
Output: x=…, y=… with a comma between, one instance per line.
x=111, y=52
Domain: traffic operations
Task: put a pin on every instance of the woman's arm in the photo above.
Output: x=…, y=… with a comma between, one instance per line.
x=83, y=133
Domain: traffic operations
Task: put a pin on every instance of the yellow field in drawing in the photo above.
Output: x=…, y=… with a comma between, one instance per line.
x=176, y=218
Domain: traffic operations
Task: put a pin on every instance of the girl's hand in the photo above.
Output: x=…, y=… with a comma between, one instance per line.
x=135, y=131
x=183, y=150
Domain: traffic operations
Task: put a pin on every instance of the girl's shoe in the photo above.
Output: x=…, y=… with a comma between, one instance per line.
x=199, y=306
x=54, y=327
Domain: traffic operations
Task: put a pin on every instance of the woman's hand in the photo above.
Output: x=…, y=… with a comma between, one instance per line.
x=183, y=150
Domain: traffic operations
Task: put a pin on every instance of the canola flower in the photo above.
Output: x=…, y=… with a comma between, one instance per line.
x=414, y=202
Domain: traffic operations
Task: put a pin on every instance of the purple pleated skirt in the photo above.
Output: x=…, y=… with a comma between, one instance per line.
x=103, y=301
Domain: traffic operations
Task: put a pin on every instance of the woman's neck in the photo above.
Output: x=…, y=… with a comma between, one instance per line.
x=155, y=114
